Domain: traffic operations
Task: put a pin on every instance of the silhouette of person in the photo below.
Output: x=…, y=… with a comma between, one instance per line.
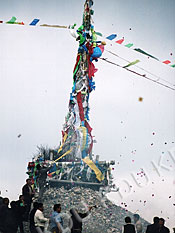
x=162, y=228
x=11, y=221
x=76, y=218
x=20, y=211
x=128, y=228
x=28, y=193
x=3, y=213
x=31, y=218
x=42, y=176
x=153, y=227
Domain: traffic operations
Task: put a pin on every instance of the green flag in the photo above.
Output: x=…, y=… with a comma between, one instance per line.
x=131, y=64
x=13, y=19
x=145, y=53
x=129, y=45
x=173, y=65
x=98, y=33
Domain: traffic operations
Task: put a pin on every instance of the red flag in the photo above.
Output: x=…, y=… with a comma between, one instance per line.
x=166, y=62
x=80, y=105
x=1, y=21
x=120, y=41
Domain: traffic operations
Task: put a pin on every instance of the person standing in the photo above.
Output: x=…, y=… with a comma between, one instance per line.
x=76, y=218
x=56, y=221
x=138, y=224
x=20, y=211
x=42, y=176
x=28, y=193
x=11, y=221
x=31, y=218
x=128, y=228
x=39, y=219
x=153, y=227
x=162, y=228
x=3, y=213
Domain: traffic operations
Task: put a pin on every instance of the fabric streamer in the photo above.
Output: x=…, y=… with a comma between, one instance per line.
x=129, y=45
x=67, y=152
x=98, y=33
x=53, y=26
x=12, y=20
x=111, y=37
x=131, y=64
x=120, y=41
x=34, y=22
x=166, y=62
x=64, y=139
x=90, y=163
x=147, y=54
x=80, y=105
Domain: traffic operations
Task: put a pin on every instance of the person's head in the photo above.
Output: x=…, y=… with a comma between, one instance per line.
x=35, y=205
x=156, y=220
x=57, y=208
x=128, y=220
x=161, y=222
x=5, y=201
x=21, y=197
x=29, y=181
x=13, y=204
x=40, y=206
x=136, y=217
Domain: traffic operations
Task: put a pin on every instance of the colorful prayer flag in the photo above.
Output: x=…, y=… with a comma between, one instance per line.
x=12, y=20
x=120, y=41
x=98, y=33
x=131, y=64
x=111, y=37
x=166, y=62
x=145, y=53
x=129, y=45
x=34, y=22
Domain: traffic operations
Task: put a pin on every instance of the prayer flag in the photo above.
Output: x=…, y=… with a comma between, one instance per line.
x=129, y=45
x=120, y=41
x=166, y=62
x=131, y=64
x=34, y=22
x=12, y=20
x=111, y=37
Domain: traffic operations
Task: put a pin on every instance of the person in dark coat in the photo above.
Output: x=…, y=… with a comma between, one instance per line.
x=153, y=227
x=76, y=218
x=11, y=221
x=162, y=228
x=42, y=176
x=32, y=214
x=3, y=213
x=128, y=228
x=28, y=194
x=20, y=211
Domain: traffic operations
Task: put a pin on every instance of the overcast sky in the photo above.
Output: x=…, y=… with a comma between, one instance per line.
x=36, y=67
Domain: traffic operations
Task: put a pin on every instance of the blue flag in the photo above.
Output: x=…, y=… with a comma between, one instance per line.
x=111, y=37
x=34, y=22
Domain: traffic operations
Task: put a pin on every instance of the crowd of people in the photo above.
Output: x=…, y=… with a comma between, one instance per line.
x=12, y=219
x=156, y=227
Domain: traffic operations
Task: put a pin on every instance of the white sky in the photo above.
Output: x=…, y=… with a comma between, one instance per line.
x=36, y=78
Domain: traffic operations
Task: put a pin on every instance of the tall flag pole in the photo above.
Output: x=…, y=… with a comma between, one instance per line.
x=77, y=140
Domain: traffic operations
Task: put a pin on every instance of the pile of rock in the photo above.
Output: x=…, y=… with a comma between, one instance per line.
x=105, y=218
